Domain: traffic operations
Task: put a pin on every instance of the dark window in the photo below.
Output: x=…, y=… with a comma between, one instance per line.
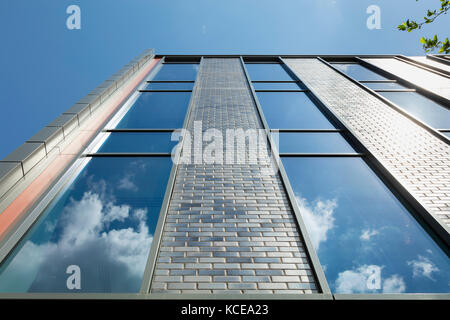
x=103, y=222
x=430, y=112
x=358, y=72
x=157, y=110
x=267, y=72
x=177, y=72
x=312, y=142
x=365, y=238
x=138, y=142
x=291, y=110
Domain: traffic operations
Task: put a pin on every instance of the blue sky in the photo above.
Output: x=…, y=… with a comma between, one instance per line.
x=45, y=68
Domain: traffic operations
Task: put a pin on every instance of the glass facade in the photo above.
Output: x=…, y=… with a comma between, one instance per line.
x=138, y=142
x=358, y=72
x=177, y=72
x=312, y=142
x=267, y=72
x=103, y=223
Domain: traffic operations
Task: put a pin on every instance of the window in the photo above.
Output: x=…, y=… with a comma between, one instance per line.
x=267, y=72
x=277, y=86
x=358, y=72
x=138, y=142
x=157, y=110
x=384, y=86
x=170, y=86
x=312, y=142
x=365, y=238
x=430, y=112
x=103, y=223
x=177, y=72
x=291, y=110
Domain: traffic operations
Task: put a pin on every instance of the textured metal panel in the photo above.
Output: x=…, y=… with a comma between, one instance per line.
x=10, y=173
x=229, y=228
x=416, y=158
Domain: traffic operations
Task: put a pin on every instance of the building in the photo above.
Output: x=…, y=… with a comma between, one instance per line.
x=299, y=177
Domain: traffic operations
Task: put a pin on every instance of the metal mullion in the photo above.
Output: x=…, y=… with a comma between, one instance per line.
x=127, y=154
x=157, y=237
x=377, y=81
x=140, y=130
x=389, y=103
x=424, y=66
x=170, y=81
x=279, y=90
x=417, y=209
x=440, y=59
x=303, y=233
x=394, y=90
x=169, y=90
x=274, y=81
x=307, y=130
x=324, y=155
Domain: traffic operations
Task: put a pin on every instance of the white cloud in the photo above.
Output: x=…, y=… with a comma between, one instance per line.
x=394, y=284
x=367, y=234
x=318, y=218
x=368, y=279
x=423, y=266
x=127, y=184
x=87, y=241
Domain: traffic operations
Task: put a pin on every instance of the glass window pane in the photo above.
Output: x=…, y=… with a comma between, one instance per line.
x=421, y=107
x=103, y=223
x=312, y=142
x=291, y=110
x=384, y=85
x=446, y=134
x=177, y=72
x=138, y=142
x=366, y=240
x=267, y=72
x=170, y=86
x=157, y=110
x=276, y=86
x=358, y=72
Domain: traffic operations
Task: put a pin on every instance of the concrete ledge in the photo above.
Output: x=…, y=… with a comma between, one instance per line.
x=43, y=142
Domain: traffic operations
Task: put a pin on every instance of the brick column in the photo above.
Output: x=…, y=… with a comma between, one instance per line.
x=229, y=228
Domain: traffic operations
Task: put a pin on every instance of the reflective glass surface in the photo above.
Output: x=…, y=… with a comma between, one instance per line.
x=138, y=142
x=276, y=86
x=177, y=71
x=314, y=142
x=446, y=134
x=170, y=86
x=291, y=110
x=367, y=242
x=358, y=72
x=421, y=107
x=384, y=85
x=102, y=225
x=159, y=110
x=267, y=72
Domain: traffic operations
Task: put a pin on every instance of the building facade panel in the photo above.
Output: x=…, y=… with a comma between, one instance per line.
x=416, y=158
x=229, y=228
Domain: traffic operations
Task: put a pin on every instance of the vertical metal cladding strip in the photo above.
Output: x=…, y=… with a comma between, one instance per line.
x=230, y=228
x=419, y=161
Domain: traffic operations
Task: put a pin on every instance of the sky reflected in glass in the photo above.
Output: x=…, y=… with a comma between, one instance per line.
x=358, y=72
x=144, y=142
x=157, y=110
x=384, y=85
x=430, y=112
x=291, y=110
x=103, y=223
x=169, y=86
x=276, y=86
x=267, y=72
x=367, y=242
x=312, y=142
x=177, y=72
